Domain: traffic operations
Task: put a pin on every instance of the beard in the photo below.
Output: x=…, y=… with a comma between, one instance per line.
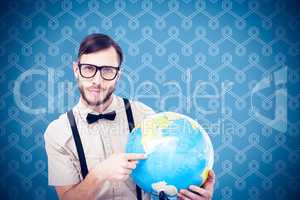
x=104, y=96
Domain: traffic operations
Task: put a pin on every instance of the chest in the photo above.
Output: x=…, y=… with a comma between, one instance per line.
x=100, y=139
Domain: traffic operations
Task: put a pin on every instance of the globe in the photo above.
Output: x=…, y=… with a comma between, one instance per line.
x=179, y=152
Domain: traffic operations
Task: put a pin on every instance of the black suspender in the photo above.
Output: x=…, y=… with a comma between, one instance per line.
x=80, y=151
x=82, y=160
x=129, y=114
x=131, y=126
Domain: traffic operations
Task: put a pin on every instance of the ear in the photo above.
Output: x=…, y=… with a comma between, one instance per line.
x=75, y=69
x=119, y=74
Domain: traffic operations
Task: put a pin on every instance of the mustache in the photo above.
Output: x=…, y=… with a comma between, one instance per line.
x=98, y=87
x=93, y=86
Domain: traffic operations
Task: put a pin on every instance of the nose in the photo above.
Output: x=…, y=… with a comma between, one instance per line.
x=97, y=79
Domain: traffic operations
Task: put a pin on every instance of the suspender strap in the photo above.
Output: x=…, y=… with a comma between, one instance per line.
x=129, y=114
x=131, y=126
x=82, y=160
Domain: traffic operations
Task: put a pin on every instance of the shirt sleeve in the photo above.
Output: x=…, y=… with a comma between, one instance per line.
x=62, y=169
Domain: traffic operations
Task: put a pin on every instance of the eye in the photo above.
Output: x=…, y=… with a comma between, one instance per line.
x=108, y=69
x=88, y=67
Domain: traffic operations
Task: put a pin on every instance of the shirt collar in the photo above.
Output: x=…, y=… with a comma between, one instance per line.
x=84, y=109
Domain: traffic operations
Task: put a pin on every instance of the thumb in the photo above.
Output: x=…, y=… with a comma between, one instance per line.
x=210, y=181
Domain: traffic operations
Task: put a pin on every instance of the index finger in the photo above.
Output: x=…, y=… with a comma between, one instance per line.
x=135, y=156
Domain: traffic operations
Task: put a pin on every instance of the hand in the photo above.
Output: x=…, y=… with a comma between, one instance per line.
x=199, y=193
x=118, y=166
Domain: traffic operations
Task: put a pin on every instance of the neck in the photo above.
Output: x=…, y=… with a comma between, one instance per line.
x=99, y=108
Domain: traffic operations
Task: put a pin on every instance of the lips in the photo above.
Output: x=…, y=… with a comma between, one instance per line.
x=94, y=90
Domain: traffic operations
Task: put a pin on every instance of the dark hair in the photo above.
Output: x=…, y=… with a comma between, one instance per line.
x=96, y=42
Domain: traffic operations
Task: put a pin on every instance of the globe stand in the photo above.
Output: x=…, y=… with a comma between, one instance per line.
x=162, y=196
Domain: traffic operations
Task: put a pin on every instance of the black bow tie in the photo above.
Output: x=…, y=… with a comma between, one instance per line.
x=91, y=118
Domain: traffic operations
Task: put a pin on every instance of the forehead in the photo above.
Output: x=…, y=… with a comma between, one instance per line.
x=107, y=56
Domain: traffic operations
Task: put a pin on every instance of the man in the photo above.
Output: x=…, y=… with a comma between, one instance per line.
x=85, y=147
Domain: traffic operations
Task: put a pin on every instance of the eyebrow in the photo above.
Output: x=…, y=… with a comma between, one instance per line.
x=98, y=65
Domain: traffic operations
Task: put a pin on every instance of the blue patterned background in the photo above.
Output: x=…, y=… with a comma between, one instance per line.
x=223, y=63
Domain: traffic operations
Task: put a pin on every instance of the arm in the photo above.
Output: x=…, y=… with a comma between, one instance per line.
x=87, y=189
x=117, y=167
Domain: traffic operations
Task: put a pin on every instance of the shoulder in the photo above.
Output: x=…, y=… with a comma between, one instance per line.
x=137, y=107
x=141, y=108
x=58, y=131
x=140, y=111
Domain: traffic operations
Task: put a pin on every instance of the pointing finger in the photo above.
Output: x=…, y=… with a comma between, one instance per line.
x=135, y=156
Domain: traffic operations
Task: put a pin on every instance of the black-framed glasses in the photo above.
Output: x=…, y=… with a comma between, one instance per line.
x=89, y=71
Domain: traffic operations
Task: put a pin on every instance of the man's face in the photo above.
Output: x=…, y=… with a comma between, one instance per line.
x=96, y=91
